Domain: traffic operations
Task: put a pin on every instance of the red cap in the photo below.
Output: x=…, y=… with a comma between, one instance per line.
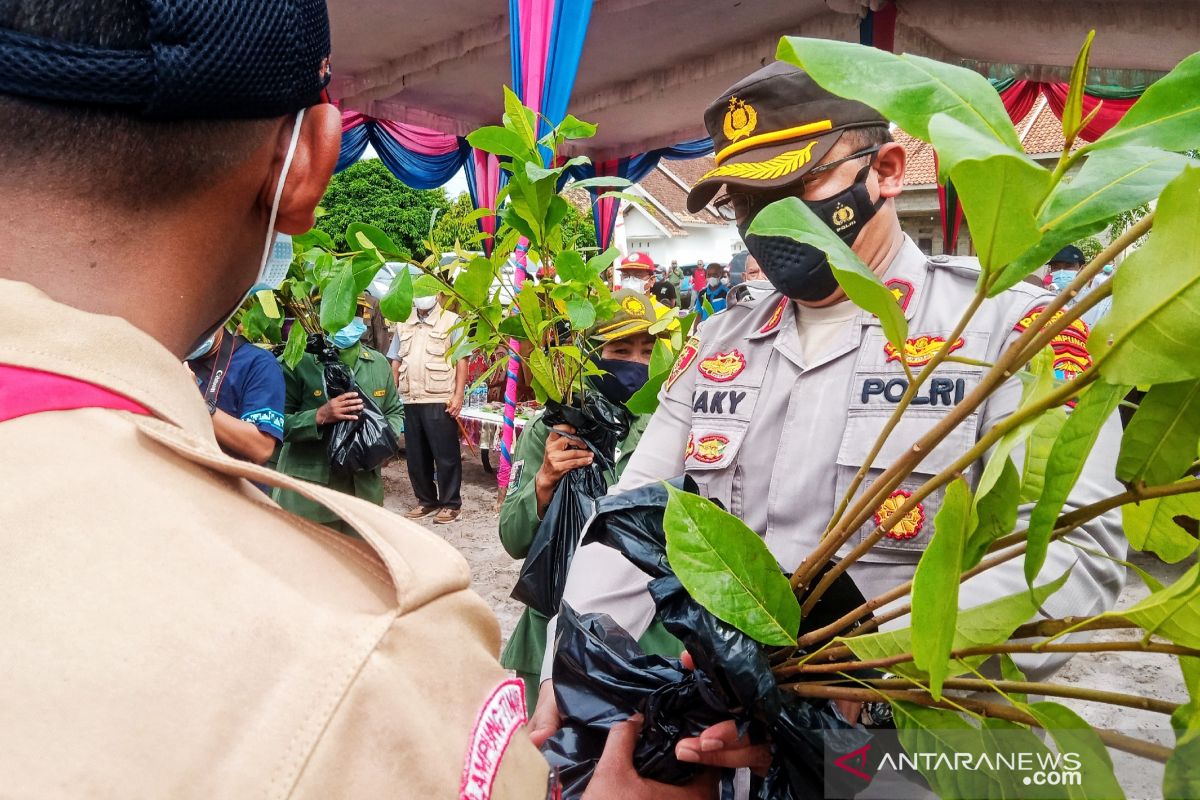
x=638, y=261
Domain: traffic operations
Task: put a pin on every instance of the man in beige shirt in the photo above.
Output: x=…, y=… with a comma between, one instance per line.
x=168, y=631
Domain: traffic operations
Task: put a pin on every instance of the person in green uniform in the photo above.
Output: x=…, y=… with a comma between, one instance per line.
x=542, y=458
x=309, y=416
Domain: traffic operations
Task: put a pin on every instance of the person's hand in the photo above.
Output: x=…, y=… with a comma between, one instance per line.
x=562, y=456
x=546, y=719
x=850, y=710
x=454, y=405
x=344, y=406
x=615, y=776
x=720, y=746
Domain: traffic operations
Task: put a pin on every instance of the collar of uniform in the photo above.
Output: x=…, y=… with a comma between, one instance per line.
x=907, y=273
x=107, y=351
x=430, y=319
x=364, y=353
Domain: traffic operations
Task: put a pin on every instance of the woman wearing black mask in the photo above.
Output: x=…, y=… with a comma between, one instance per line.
x=544, y=456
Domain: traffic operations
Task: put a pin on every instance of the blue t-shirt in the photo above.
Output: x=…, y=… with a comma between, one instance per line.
x=253, y=389
x=717, y=298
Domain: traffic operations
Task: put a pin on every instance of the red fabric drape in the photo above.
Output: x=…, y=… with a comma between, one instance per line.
x=1019, y=99
x=1110, y=112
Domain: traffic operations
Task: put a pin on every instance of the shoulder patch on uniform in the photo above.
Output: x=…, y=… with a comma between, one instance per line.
x=711, y=448
x=776, y=316
x=1071, y=355
x=502, y=714
x=723, y=367
x=686, y=356
x=902, y=290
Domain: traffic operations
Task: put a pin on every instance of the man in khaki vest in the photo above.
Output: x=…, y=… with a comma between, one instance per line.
x=168, y=631
x=431, y=385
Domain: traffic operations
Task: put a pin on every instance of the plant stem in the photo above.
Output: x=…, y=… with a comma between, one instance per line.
x=1042, y=688
x=807, y=668
x=1128, y=744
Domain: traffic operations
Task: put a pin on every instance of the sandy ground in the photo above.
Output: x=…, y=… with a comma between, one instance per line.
x=494, y=574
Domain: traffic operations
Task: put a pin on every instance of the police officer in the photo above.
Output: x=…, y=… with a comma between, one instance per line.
x=783, y=398
x=169, y=631
x=543, y=457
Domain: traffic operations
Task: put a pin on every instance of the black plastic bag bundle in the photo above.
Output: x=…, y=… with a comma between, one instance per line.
x=355, y=445
x=599, y=424
x=732, y=679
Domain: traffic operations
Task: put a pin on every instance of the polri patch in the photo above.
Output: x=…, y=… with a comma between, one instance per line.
x=920, y=351
x=711, y=448
x=723, y=367
x=902, y=529
x=686, y=356
x=502, y=714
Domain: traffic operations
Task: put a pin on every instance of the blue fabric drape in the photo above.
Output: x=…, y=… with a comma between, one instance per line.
x=416, y=170
x=567, y=36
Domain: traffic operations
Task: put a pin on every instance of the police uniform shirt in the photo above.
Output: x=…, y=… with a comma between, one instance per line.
x=777, y=435
x=252, y=390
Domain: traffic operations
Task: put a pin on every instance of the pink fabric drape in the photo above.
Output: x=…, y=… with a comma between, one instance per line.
x=419, y=140
x=486, y=176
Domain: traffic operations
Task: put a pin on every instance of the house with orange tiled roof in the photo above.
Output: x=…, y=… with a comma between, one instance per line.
x=662, y=225
x=663, y=228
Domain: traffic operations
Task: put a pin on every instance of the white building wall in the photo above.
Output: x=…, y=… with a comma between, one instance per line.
x=702, y=242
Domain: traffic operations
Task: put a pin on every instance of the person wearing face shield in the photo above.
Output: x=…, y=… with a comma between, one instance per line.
x=544, y=456
x=309, y=417
x=172, y=632
x=778, y=402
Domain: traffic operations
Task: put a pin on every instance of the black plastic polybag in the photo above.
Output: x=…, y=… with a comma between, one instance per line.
x=355, y=445
x=599, y=424
x=732, y=679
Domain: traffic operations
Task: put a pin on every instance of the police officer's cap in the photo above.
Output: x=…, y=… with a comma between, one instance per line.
x=771, y=128
x=200, y=59
x=1069, y=255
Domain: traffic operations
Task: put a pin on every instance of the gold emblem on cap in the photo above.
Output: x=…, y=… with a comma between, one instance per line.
x=634, y=306
x=740, y=120
x=843, y=215
x=772, y=168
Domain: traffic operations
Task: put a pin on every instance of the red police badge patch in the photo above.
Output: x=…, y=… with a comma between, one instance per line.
x=690, y=450
x=776, y=317
x=906, y=528
x=723, y=367
x=920, y=351
x=502, y=714
x=710, y=449
x=686, y=356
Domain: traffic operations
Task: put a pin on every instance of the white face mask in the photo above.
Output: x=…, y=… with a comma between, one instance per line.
x=425, y=303
x=277, y=250
x=634, y=282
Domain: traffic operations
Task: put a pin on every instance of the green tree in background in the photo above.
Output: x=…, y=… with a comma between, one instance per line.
x=366, y=192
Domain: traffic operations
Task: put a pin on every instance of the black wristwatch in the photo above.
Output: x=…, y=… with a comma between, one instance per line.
x=877, y=714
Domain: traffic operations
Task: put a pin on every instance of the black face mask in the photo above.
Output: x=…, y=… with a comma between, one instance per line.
x=622, y=380
x=801, y=271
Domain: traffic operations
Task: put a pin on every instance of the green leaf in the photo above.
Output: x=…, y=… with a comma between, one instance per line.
x=537, y=172
x=935, y=730
x=1037, y=256
x=987, y=624
x=791, y=218
x=935, y=585
x=570, y=267
x=254, y=321
x=996, y=515
x=581, y=314
x=662, y=358
x=1155, y=526
x=728, y=569
x=1181, y=778
x=520, y=119
x=362, y=236
x=574, y=128
x=1149, y=335
x=473, y=283
x=1063, y=467
x=906, y=89
x=530, y=307
x=1009, y=671
x=1000, y=189
x=558, y=211
x=1037, y=453
x=312, y=238
x=293, y=351
x=1110, y=181
x=396, y=305
x=602, y=261
x=543, y=374
x=1167, y=115
x=513, y=219
x=1072, y=735
x=627, y=196
x=498, y=141
x=1173, y=613
x=365, y=267
x=645, y=399
x=1073, y=110
x=339, y=299
x=603, y=182
x=1160, y=442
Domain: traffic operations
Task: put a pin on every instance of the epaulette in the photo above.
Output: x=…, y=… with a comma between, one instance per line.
x=966, y=266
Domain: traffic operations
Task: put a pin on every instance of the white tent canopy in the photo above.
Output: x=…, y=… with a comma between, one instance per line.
x=650, y=67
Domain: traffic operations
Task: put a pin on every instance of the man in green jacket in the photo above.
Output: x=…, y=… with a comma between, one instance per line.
x=309, y=417
x=542, y=458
